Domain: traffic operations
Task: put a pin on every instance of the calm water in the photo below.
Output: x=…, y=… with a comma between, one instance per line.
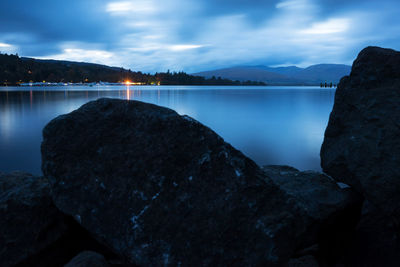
x=271, y=125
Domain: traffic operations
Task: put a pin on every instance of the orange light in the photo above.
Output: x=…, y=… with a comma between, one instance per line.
x=127, y=82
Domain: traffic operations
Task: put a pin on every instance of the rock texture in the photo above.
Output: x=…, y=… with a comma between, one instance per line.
x=162, y=189
x=29, y=221
x=362, y=144
x=305, y=261
x=88, y=259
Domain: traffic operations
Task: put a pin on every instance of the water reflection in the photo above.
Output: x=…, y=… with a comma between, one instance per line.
x=270, y=125
x=128, y=93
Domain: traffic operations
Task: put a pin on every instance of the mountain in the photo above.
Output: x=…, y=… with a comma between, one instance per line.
x=248, y=73
x=288, y=71
x=324, y=73
x=313, y=75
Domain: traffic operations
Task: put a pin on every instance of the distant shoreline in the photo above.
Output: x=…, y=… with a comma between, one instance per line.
x=150, y=85
x=134, y=87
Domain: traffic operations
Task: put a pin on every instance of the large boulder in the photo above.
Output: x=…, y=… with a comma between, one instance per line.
x=29, y=220
x=362, y=148
x=162, y=189
x=362, y=140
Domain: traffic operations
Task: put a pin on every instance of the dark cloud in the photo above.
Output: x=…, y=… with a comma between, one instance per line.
x=255, y=11
x=47, y=23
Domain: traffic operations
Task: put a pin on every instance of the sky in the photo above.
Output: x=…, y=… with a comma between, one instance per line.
x=197, y=35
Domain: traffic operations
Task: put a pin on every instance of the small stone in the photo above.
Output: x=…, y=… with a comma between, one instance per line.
x=88, y=259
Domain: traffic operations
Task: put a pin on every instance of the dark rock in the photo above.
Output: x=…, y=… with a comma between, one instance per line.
x=162, y=189
x=33, y=232
x=73, y=241
x=88, y=259
x=29, y=220
x=362, y=144
x=375, y=243
x=329, y=211
x=362, y=148
x=317, y=194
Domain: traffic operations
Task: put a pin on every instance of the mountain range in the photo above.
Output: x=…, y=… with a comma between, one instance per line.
x=292, y=75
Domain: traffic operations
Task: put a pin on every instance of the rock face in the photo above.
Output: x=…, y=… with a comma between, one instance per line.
x=362, y=144
x=162, y=189
x=29, y=220
x=88, y=259
x=362, y=148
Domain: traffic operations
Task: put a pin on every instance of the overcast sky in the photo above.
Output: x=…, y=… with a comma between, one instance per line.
x=196, y=35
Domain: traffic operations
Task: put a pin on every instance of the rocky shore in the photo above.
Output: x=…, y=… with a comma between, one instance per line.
x=132, y=184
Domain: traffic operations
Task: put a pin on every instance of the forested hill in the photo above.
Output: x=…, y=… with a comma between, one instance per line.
x=15, y=70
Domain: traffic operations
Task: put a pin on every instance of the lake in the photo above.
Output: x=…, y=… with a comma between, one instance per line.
x=271, y=125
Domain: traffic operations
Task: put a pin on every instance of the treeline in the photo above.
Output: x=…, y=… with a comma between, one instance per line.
x=15, y=70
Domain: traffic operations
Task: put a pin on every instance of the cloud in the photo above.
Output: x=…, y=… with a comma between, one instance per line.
x=77, y=54
x=183, y=47
x=294, y=4
x=7, y=48
x=129, y=7
x=331, y=26
x=4, y=45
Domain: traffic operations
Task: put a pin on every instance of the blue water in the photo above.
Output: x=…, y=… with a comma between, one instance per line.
x=271, y=125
